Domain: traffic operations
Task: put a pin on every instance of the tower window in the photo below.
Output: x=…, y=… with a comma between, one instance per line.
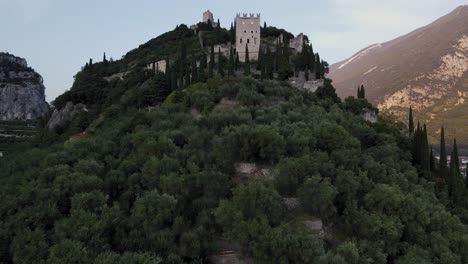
x=241, y=41
x=248, y=40
x=252, y=31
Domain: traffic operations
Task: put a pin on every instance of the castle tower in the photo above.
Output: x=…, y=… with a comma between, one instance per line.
x=248, y=33
x=208, y=16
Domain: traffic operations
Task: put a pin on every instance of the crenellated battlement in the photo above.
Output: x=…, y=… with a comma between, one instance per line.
x=248, y=15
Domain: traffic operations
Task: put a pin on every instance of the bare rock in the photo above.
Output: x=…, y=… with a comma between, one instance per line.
x=62, y=116
x=247, y=168
x=369, y=115
x=22, y=94
x=292, y=202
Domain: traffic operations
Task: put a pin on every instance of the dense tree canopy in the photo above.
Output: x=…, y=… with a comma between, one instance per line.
x=160, y=185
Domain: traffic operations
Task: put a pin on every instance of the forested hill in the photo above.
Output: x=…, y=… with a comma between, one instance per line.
x=224, y=161
x=191, y=58
x=163, y=185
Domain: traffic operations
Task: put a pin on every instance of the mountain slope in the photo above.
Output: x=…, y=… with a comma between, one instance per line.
x=425, y=69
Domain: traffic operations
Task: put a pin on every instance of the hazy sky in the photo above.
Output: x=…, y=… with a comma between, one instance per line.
x=57, y=37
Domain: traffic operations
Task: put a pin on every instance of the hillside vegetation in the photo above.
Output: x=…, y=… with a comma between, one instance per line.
x=160, y=185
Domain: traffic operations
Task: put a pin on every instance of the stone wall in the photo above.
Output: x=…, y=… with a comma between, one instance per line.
x=248, y=34
x=225, y=49
x=157, y=66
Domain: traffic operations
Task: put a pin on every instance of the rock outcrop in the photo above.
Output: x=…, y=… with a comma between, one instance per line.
x=21, y=90
x=60, y=117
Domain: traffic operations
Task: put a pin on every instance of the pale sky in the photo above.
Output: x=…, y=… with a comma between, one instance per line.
x=57, y=37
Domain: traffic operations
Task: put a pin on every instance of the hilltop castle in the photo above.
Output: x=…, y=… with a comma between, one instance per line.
x=248, y=34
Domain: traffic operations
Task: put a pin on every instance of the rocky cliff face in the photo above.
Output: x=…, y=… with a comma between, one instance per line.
x=21, y=90
x=426, y=69
x=60, y=117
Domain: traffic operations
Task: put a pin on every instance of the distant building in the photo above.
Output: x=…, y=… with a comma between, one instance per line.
x=248, y=35
x=297, y=43
x=207, y=17
x=157, y=66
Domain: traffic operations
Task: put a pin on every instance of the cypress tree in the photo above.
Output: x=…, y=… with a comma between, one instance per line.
x=247, y=61
x=452, y=172
x=220, y=63
x=425, y=159
x=322, y=75
x=269, y=63
x=455, y=153
x=232, y=32
x=283, y=62
x=411, y=121
x=201, y=68
x=237, y=62
x=264, y=25
x=194, y=71
x=363, y=91
x=212, y=63
x=359, y=92
x=456, y=190
x=277, y=57
x=203, y=61
x=432, y=161
x=104, y=59
x=317, y=67
x=183, y=58
x=263, y=74
x=443, y=170
x=173, y=80
x=231, y=62
x=218, y=32
x=417, y=145
x=260, y=58
x=311, y=59
x=286, y=53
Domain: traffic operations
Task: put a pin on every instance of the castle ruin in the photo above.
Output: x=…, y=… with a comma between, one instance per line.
x=157, y=66
x=297, y=43
x=209, y=18
x=248, y=35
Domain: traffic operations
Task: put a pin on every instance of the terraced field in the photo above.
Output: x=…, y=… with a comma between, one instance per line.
x=14, y=132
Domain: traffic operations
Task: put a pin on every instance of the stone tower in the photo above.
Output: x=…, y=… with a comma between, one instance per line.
x=208, y=16
x=248, y=33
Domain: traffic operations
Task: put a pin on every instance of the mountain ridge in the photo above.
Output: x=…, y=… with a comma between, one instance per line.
x=423, y=69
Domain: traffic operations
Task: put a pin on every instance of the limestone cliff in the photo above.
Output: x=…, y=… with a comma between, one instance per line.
x=21, y=90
